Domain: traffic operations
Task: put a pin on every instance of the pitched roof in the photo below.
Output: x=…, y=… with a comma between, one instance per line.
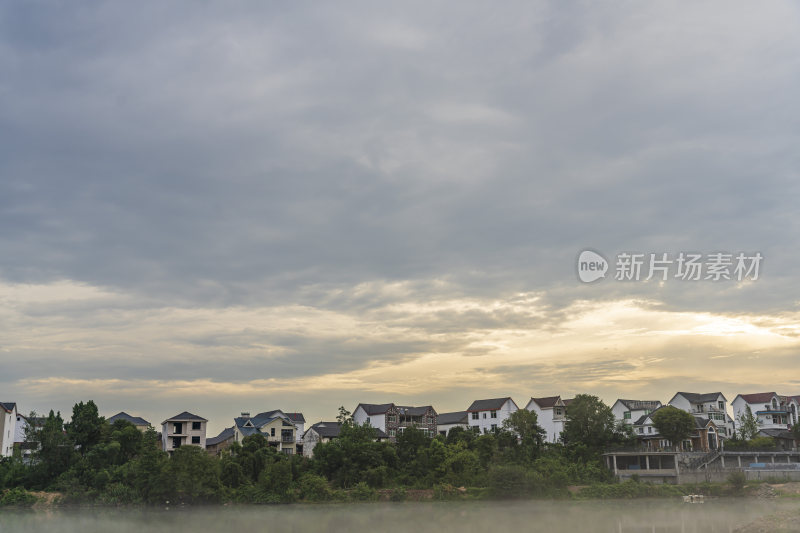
x=224, y=435
x=456, y=417
x=327, y=429
x=8, y=406
x=296, y=417
x=636, y=405
x=547, y=402
x=759, y=397
x=492, y=404
x=777, y=433
x=135, y=420
x=695, y=397
x=184, y=416
x=375, y=408
x=568, y=401
x=414, y=411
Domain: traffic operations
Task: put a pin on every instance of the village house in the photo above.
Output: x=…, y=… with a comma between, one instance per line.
x=279, y=430
x=771, y=410
x=711, y=405
x=8, y=428
x=182, y=430
x=140, y=423
x=629, y=411
x=215, y=445
x=323, y=432
x=394, y=419
x=447, y=421
x=488, y=415
x=704, y=437
x=551, y=412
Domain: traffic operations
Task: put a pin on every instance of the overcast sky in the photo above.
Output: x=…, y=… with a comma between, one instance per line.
x=225, y=207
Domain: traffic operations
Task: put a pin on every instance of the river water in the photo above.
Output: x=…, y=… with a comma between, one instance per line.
x=649, y=516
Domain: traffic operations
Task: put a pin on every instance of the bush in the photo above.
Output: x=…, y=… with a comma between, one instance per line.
x=398, y=495
x=313, y=488
x=737, y=481
x=19, y=497
x=363, y=493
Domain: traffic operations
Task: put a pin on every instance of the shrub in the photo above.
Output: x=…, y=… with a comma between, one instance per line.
x=737, y=481
x=363, y=493
x=18, y=496
x=398, y=495
x=313, y=488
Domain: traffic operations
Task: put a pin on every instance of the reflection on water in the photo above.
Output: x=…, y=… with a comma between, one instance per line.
x=546, y=516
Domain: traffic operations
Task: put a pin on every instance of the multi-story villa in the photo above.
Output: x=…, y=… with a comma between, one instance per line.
x=140, y=423
x=552, y=413
x=182, y=430
x=704, y=437
x=629, y=411
x=771, y=410
x=447, y=421
x=278, y=428
x=394, y=419
x=8, y=428
x=711, y=405
x=488, y=415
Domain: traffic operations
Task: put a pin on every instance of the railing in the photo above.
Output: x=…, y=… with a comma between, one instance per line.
x=704, y=460
x=287, y=438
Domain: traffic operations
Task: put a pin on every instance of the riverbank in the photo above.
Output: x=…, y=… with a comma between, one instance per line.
x=18, y=498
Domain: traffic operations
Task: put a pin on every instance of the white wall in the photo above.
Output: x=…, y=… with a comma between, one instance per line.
x=485, y=421
x=553, y=425
x=8, y=427
x=361, y=417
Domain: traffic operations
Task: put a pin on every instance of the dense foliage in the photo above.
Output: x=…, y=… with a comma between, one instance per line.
x=89, y=460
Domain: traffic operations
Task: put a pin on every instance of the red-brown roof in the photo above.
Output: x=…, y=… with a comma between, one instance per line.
x=549, y=401
x=759, y=397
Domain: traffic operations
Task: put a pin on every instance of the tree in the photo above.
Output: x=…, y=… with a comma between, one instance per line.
x=86, y=427
x=590, y=423
x=54, y=450
x=525, y=425
x=673, y=424
x=748, y=425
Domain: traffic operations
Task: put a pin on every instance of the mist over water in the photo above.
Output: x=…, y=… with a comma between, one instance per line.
x=545, y=516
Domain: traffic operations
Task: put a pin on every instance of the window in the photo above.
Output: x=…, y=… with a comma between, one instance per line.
x=558, y=411
x=196, y=426
x=641, y=430
x=494, y=427
x=474, y=416
x=196, y=440
x=494, y=414
x=626, y=415
x=722, y=406
x=392, y=432
x=368, y=420
x=271, y=432
x=476, y=428
x=177, y=428
x=650, y=429
x=484, y=415
x=389, y=418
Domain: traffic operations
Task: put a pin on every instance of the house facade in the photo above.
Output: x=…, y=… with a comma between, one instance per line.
x=711, y=405
x=184, y=429
x=394, y=419
x=140, y=423
x=488, y=415
x=447, y=421
x=629, y=411
x=323, y=432
x=8, y=428
x=279, y=430
x=216, y=445
x=771, y=410
x=552, y=413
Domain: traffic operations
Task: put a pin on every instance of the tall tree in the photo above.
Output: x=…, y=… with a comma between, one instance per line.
x=748, y=425
x=590, y=423
x=673, y=424
x=525, y=425
x=87, y=426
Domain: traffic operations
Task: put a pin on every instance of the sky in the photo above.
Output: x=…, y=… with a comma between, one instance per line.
x=242, y=206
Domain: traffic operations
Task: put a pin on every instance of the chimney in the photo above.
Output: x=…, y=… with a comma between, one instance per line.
x=246, y=415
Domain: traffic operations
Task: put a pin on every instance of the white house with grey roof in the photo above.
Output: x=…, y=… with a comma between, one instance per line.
x=447, y=421
x=551, y=412
x=140, y=423
x=8, y=428
x=488, y=415
x=629, y=411
x=184, y=429
x=711, y=405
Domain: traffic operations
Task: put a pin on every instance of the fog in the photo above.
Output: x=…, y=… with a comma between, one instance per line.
x=550, y=516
